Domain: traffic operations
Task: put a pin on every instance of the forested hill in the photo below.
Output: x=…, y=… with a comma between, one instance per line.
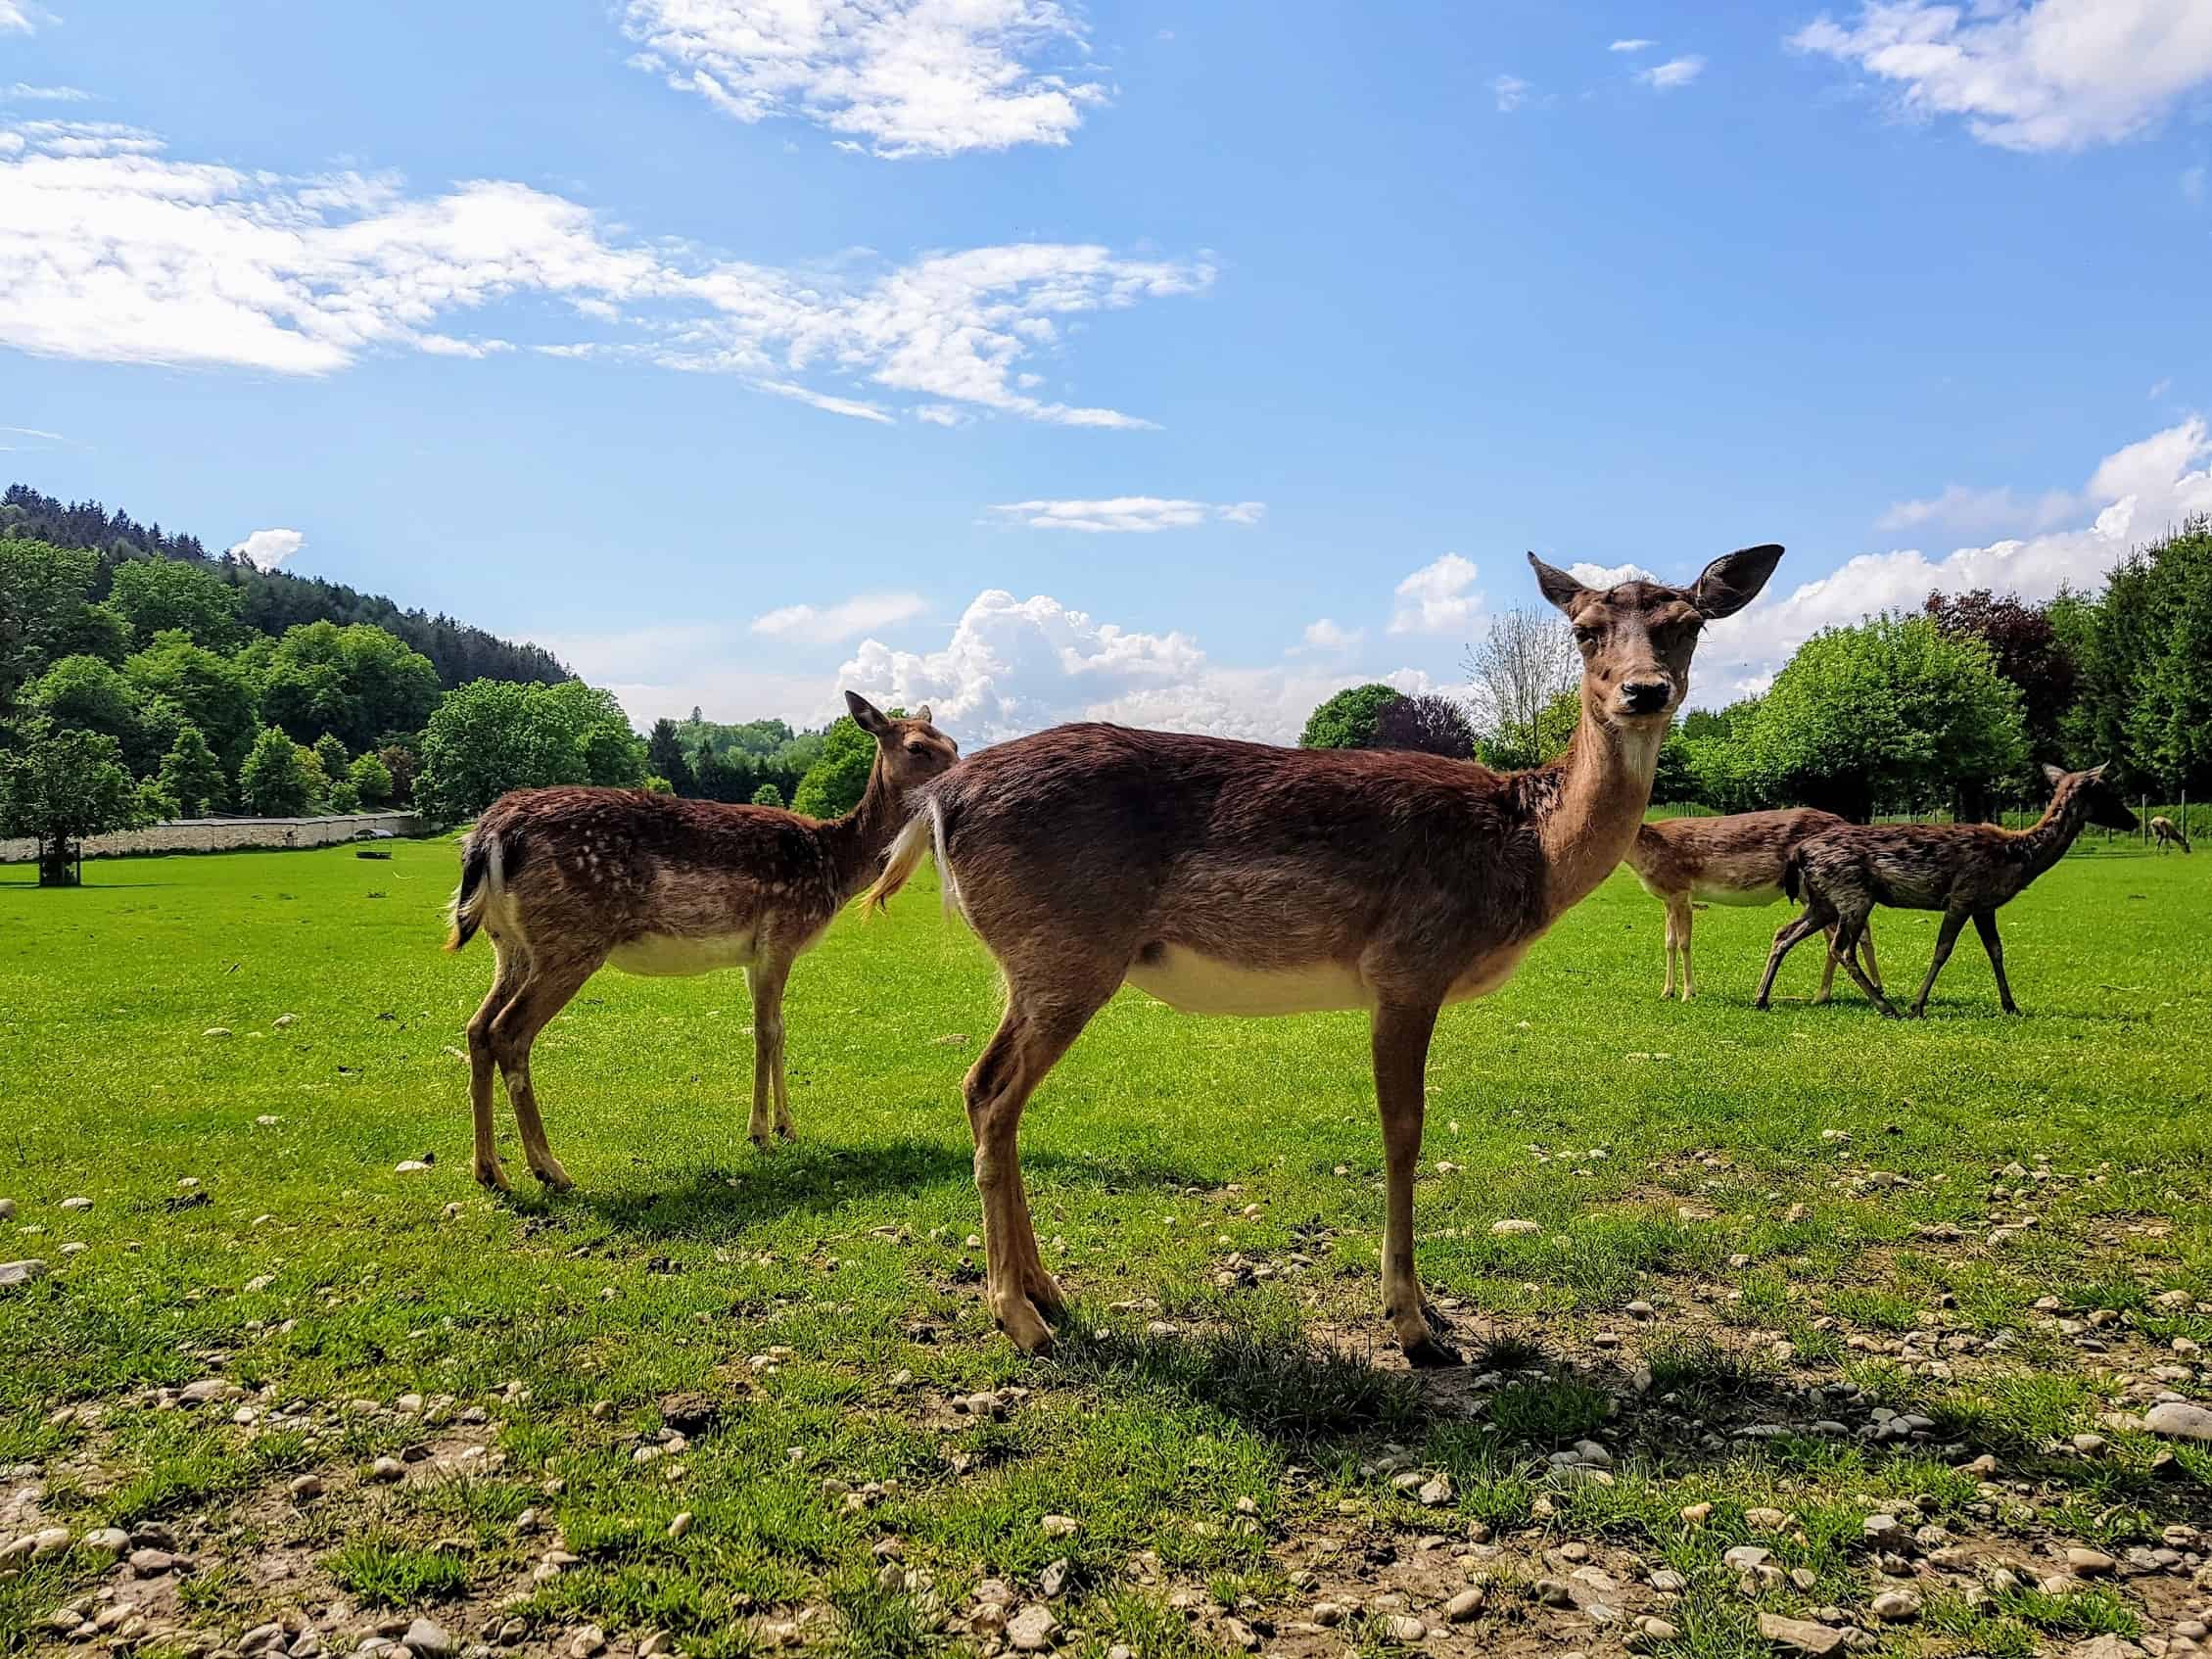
x=270, y=601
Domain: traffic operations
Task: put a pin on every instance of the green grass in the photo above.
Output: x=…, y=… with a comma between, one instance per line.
x=1669, y=1144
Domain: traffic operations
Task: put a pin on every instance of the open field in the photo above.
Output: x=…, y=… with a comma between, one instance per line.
x=1804, y=1269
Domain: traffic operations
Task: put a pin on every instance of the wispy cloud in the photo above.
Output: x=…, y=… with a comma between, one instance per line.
x=2044, y=74
x=22, y=92
x=266, y=549
x=112, y=250
x=1511, y=92
x=898, y=77
x=2192, y=185
x=1140, y=514
x=827, y=624
x=1631, y=45
x=1327, y=635
x=1962, y=508
x=17, y=17
x=1675, y=71
x=1441, y=598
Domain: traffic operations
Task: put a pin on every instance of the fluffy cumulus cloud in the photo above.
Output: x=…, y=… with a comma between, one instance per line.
x=2135, y=493
x=1675, y=71
x=827, y=624
x=2028, y=74
x=1325, y=633
x=112, y=249
x=1127, y=513
x=1441, y=598
x=266, y=549
x=896, y=77
x=1511, y=92
x=1603, y=576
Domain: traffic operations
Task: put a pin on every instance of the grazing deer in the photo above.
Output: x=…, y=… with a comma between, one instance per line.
x=1733, y=860
x=567, y=880
x=2165, y=832
x=1229, y=878
x=1963, y=870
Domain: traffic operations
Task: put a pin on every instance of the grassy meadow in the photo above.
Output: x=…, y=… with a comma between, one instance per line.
x=1786, y=1272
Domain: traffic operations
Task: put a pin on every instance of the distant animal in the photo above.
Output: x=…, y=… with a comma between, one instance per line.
x=568, y=880
x=1733, y=860
x=1229, y=878
x=1962, y=869
x=2165, y=832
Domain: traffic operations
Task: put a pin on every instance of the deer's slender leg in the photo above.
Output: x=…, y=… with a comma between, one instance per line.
x=1866, y=951
x=1848, y=931
x=1827, y=969
x=552, y=982
x=1666, y=985
x=771, y=1111
x=1401, y=1056
x=1035, y=1032
x=509, y=966
x=1786, y=940
x=1985, y=923
x=1946, y=936
x=1689, y=985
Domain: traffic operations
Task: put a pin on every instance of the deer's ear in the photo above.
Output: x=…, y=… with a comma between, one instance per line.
x=2097, y=772
x=922, y=714
x=1733, y=580
x=866, y=715
x=2053, y=775
x=1561, y=589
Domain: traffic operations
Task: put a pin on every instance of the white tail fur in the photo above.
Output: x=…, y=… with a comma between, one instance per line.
x=924, y=832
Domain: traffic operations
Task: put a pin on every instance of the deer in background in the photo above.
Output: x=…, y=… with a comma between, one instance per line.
x=568, y=880
x=1963, y=870
x=1230, y=878
x=1733, y=860
x=2165, y=832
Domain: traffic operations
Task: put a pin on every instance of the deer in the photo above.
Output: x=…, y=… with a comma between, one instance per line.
x=568, y=880
x=1962, y=869
x=2165, y=832
x=1736, y=860
x=1228, y=877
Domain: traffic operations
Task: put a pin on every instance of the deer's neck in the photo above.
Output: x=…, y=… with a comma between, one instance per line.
x=857, y=841
x=1592, y=805
x=2053, y=832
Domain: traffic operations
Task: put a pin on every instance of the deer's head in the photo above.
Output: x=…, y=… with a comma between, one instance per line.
x=1637, y=638
x=2101, y=803
x=908, y=748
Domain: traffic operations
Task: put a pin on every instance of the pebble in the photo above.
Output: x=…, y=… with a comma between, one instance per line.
x=680, y=1524
x=151, y=1563
x=1403, y=1627
x=2176, y=1419
x=1031, y=1631
x=107, y=1541
x=2090, y=1563
x=1059, y=1526
x=1697, y=1515
x=7, y=1210
x=1666, y=1582
x=77, y=1204
x=409, y=1166
x=208, y=1390
x=589, y=1640
x=1895, y=1606
x=388, y=1469
x=1766, y=1520
x=1802, y=1636
x=306, y=1489
x=1464, y=1606
x=1327, y=1614
x=427, y=1639
x=1437, y=1491
x=15, y=1273
x=1509, y=1227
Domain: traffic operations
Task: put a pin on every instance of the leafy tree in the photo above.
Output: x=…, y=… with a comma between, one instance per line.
x=85, y=693
x=371, y=781
x=2026, y=648
x=614, y=756
x=274, y=781
x=835, y=783
x=1431, y=724
x=191, y=777
x=663, y=754
x=1345, y=721
x=332, y=754
x=98, y=630
x=158, y=594
x=1676, y=779
x=206, y=690
x=403, y=762
x=43, y=596
x=61, y=786
x=768, y=794
x=356, y=682
x=494, y=735
x=343, y=797
x=1892, y=710
x=156, y=805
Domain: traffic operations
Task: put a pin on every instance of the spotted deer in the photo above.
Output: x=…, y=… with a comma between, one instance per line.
x=566, y=881
x=1963, y=870
x=1733, y=860
x=2165, y=832
x=1233, y=877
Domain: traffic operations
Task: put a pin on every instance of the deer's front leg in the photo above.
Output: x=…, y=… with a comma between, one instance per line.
x=1985, y=923
x=1946, y=936
x=765, y=981
x=1401, y=1056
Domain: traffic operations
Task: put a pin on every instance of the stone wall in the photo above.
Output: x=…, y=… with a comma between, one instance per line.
x=231, y=835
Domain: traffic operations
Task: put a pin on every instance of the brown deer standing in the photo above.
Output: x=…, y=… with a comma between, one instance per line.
x=2165, y=832
x=567, y=880
x=1734, y=861
x=1963, y=870
x=1228, y=877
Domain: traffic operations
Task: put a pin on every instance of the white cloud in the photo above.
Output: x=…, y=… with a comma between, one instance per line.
x=1631, y=45
x=2029, y=74
x=1675, y=71
x=1511, y=92
x=1441, y=598
x=266, y=549
x=1604, y=576
x=2158, y=389
x=827, y=624
x=24, y=93
x=1017, y=665
x=1965, y=508
x=1324, y=635
x=112, y=251
x=942, y=414
x=16, y=18
x=2192, y=185
x=909, y=78
x=2135, y=494
x=1127, y=513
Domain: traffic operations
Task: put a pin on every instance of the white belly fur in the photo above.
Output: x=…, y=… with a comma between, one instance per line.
x=1749, y=897
x=668, y=954
x=1194, y=983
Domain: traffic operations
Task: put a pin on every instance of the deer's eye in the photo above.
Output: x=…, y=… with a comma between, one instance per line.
x=1586, y=634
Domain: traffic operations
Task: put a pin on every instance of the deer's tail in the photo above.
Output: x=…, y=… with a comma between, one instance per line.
x=1793, y=874
x=482, y=877
x=925, y=835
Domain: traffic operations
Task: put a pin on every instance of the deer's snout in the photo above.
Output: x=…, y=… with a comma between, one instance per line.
x=1645, y=696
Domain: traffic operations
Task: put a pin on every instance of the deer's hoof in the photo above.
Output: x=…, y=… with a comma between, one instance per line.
x=554, y=1177
x=787, y=1132
x=1429, y=1354
x=492, y=1177
x=1026, y=1328
x=1048, y=1299
x=762, y=1141
x=1435, y=1316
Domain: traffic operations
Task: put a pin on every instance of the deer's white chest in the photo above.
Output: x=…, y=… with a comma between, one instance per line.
x=1195, y=983
x=1749, y=897
x=674, y=955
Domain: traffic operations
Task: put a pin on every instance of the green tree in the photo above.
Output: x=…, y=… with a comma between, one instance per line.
x=371, y=780
x=490, y=736
x=402, y=761
x=191, y=777
x=84, y=693
x=663, y=754
x=156, y=595
x=1892, y=711
x=61, y=786
x=44, y=591
x=274, y=781
x=835, y=783
x=206, y=690
x=1345, y=721
x=357, y=683
x=332, y=754
x=768, y=794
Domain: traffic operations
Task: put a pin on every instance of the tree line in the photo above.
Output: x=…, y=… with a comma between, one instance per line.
x=1953, y=706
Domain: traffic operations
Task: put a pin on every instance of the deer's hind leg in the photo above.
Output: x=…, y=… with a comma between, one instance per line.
x=1787, y=938
x=1684, y=920
x=553, y=980
x=1402, y=1034
x=1985, y=923
x=772, y=1101
x=1946, y=936
x=510, y=965
x=1850, y=932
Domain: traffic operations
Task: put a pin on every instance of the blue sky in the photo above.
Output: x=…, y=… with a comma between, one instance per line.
x=1177, y=364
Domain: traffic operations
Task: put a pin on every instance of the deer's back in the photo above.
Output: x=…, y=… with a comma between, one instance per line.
x=1917, y=866
x=1737, y=858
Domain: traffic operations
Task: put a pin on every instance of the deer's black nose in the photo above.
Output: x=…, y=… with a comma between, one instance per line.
x=1645, y=696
